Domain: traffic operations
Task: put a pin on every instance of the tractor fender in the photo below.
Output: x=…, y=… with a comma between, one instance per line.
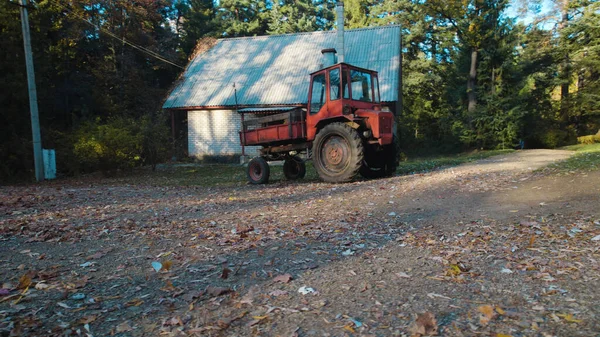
x=349, y=120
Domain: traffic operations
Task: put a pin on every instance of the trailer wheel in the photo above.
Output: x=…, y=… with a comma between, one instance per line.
x=294, y=168
x=258, y=171
x=337, y=153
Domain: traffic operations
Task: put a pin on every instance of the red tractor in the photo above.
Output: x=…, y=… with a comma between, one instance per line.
x=343, y=130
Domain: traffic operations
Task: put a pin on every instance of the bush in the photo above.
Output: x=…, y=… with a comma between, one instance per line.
x=591, y=139
x=109, y=147
x=551, y=138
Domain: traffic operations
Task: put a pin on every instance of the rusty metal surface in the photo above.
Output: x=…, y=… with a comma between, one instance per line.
x=271, y=70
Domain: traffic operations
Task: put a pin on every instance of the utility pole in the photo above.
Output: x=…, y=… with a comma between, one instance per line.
x=33, y=106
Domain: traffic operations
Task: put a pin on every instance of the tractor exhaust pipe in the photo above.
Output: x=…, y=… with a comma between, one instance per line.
x=339, y=8
x=329, y=58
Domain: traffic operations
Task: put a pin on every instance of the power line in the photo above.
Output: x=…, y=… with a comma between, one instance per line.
x=121, y=39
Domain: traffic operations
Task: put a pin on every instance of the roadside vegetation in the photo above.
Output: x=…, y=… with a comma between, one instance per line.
x=587, y=157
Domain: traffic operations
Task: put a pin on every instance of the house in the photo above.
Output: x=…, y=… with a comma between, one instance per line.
x=264, y=72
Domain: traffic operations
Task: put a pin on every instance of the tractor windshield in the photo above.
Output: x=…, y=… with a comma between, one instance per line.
x=361, y=85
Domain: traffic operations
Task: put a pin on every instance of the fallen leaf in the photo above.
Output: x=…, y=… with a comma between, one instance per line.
x=163, y=254
x=63, y=305
x=124, y=327
x=278, y=292
x=402, y=275
x=349, y=328
x=531, y=241
x=487, y=312
x=168, y=286
x=217, y=291
x=285, y=278
x=424, y=325
x=87, y=319
x=167, y=265
x=225, y=273
x=95, y=256
x=173, y=321
x=136, y=302
x=41, y=286
x=569, y=318
x=454, y=270
x=434, y=295
x=257, y=320
x=24, y=281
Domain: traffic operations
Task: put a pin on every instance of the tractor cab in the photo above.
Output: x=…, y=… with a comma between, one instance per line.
x=341, y=90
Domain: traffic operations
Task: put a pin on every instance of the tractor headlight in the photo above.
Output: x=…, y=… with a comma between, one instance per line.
x=367, y=134
x=346, y=110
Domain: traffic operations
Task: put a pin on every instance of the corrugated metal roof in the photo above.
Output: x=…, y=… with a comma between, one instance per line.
x=277, y=109
x=274, y=70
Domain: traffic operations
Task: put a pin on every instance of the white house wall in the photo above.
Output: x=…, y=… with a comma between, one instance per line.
x=215, y=133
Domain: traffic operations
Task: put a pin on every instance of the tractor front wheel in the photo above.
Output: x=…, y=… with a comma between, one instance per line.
x=379, y=164
x=337, y=153
x=294, y=168
x=258, y=171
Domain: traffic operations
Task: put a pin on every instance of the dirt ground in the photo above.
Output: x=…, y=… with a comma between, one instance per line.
x=506, y=246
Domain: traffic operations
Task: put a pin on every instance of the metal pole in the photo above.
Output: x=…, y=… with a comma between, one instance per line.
x=33, y=106
x=242, y=121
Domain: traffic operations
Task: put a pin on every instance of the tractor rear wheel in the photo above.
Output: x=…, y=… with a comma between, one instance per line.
x=294, y=168
x=258, y=171
x=337, y=153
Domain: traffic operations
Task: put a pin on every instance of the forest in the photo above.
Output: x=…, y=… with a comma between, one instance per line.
x=477, y=74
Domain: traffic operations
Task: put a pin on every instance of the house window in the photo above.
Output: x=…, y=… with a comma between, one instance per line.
x=317, y=97
x=334, y=84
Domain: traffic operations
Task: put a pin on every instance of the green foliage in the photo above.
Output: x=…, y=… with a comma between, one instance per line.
x=292, y=17
x=120, y=144
x=552, y=138
x=155, y=139
x=111, y=146
x=591, y=139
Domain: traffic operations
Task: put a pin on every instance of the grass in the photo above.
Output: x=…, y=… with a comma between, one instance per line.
x=586, y=158
x=229, y=175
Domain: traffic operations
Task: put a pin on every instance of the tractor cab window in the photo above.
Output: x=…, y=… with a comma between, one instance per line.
x=360, y=82
x=334, y=84
x=317, y=97
x=345, y=88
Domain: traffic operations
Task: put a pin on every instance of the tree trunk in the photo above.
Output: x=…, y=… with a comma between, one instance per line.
x=565, y=68
x=472, y=81
x=493, y=89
